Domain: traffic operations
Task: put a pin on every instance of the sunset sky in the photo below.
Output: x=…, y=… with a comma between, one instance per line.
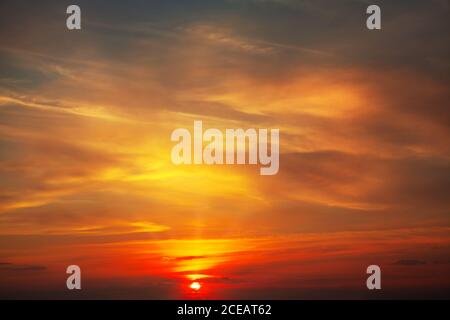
x=86, y=176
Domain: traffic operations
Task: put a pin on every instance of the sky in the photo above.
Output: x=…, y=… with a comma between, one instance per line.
x=86, y=176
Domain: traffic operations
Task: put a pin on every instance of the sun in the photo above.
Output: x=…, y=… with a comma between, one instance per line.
x=195, y=285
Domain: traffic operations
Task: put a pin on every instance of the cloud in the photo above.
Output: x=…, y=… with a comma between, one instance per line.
x=6, y=266
x=409, y=262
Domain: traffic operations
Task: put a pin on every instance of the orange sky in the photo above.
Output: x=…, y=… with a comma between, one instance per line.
x=87, y=179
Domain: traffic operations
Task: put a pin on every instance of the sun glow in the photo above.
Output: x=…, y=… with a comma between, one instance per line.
x=195, y=285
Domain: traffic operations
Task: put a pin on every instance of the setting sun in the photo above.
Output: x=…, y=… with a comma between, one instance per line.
x=195, y=286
